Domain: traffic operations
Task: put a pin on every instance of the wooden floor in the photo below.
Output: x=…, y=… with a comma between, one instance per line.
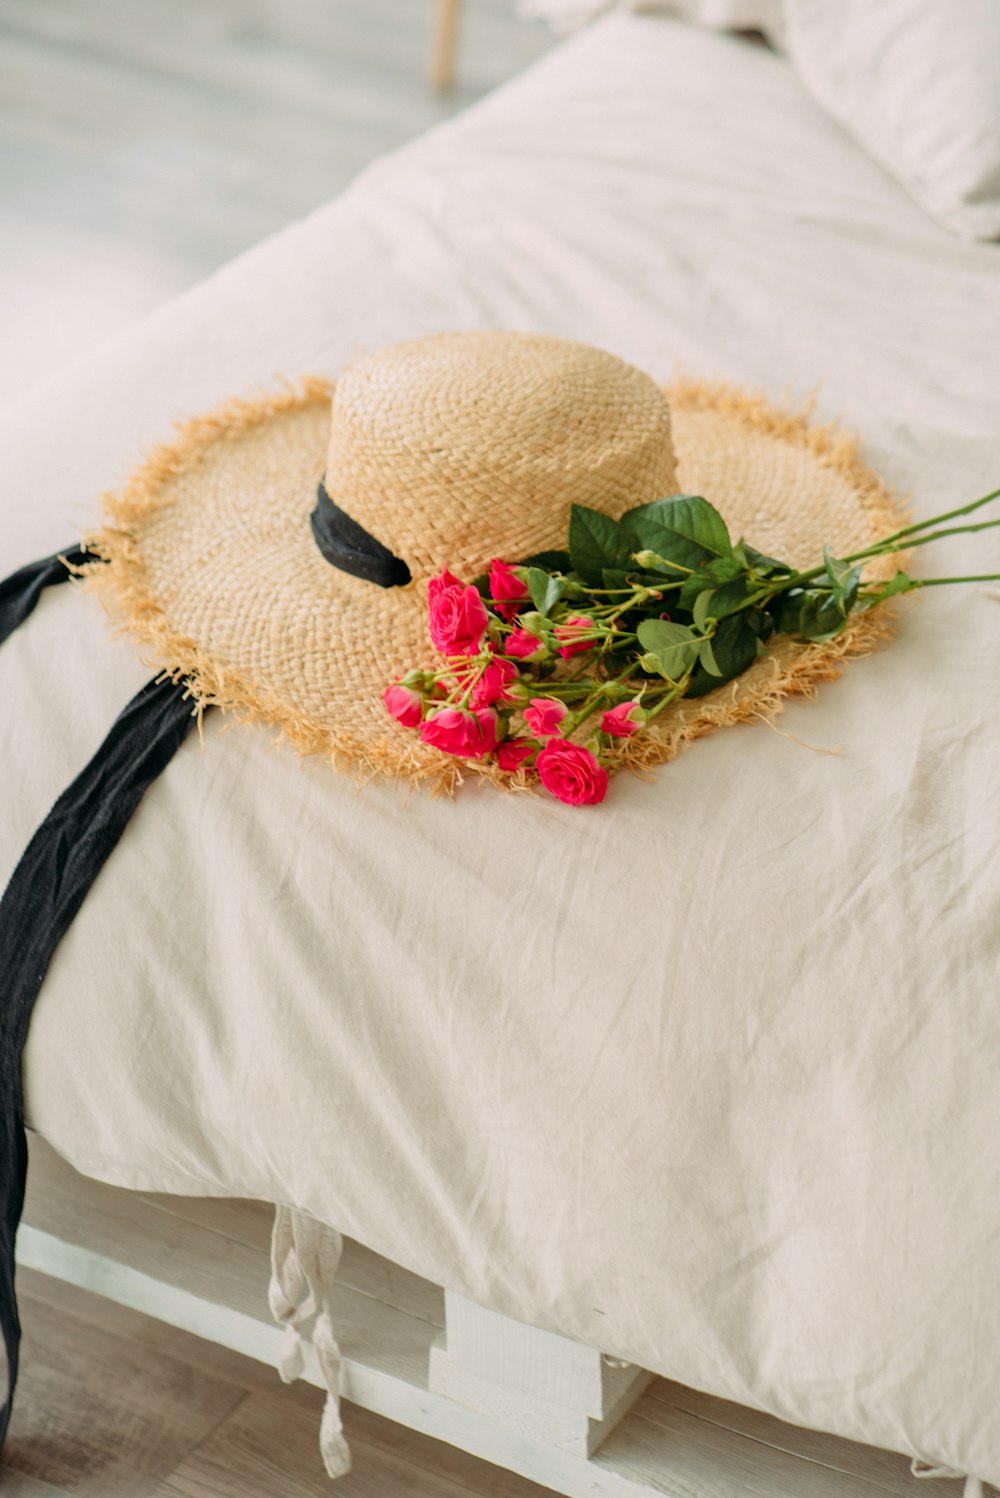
x=112, y=1404
x=145, y=142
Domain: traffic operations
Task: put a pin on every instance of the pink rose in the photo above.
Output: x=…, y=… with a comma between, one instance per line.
x=455, y=731
x=492, y=685
x=405, y=705
x=572, y=773
x=624, y=720
x=506, y=588
x=574, y=627
x=543, y=716
x=524, y=646
x=513, y=752
x=457, y=615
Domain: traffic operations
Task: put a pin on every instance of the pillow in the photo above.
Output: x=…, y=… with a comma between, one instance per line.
x=916, y=82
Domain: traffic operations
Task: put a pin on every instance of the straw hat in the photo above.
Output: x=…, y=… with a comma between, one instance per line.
x=445, y=451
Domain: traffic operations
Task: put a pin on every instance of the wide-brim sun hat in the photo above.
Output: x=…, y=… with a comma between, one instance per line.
x=276, y=553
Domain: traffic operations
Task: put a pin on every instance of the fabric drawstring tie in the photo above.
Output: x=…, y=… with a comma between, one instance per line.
x=305, y=1255
x=47, y=888
x=973, y=1485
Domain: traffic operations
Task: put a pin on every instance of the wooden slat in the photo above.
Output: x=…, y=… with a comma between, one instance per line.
x=203, y=1267
x=274, y=1428
x=678, y=1455
x=886, y=1470
x=113, y=1241
x=249, y=1223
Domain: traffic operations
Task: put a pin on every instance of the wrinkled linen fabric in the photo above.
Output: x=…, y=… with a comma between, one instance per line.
x=704, y=1076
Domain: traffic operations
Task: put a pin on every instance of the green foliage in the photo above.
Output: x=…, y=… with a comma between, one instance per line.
x=670, y=649
x=763, y=565
x=593, y=543
x=812, y=613
x=545, y=589
x=901, y=583
x=734, y=648
x=845, y=581
x=685, y=532
x=550, y=561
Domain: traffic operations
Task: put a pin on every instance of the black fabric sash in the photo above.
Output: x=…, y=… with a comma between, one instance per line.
x=347, y=545
x=47, y=889
x=21, y=591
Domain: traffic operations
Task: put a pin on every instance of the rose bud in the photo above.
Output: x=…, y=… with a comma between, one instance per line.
x=506, y=588
x=572, y=773
x=512, y=754
x=492, y=685
x=543, y=716
x=624, y=720
x=524, y=646
x=570, y=632
x=457, y=616
x=404, y=704
x=455, y=731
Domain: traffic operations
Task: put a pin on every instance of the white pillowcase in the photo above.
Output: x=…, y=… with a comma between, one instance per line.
x=916, y=82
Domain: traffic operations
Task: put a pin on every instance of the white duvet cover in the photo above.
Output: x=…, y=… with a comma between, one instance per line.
x=706, y=1076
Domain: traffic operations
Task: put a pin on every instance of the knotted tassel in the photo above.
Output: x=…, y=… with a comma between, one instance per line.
x=333, y=1445
x=289, y=1294
x=305, y=1255
x=973, y=1485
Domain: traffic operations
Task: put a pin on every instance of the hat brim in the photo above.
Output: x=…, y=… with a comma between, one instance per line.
x=213, y=569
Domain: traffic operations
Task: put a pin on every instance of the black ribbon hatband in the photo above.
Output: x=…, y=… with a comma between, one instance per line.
x=347, y=545
x=46, y=890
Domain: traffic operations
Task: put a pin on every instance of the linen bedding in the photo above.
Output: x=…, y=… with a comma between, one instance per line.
x=705, y=1076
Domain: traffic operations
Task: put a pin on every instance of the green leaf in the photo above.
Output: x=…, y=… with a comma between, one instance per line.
x=901, y=583
x=545, y=591
x=550, y=561
x=765, y=565
x=709, y=574
x=730, y=598
x=728, y=594
x=706, y=659
x=734, y=648
x=702, y=606
x=618, y=577
x=811, y=613
x=673, y=647
x=685, y=530
x=593, y=543
x=844, y=579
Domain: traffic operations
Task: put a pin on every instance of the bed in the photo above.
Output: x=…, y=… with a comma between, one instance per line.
x=705, y=1078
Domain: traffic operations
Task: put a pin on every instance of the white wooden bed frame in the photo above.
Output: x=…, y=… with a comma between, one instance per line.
x=535, y=1403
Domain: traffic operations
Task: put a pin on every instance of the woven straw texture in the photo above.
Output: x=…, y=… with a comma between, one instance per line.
x=450, y=451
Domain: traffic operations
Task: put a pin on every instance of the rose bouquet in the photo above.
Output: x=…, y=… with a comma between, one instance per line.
x=549, y=663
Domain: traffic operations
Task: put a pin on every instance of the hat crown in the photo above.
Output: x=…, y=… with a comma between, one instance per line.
x=461, y=447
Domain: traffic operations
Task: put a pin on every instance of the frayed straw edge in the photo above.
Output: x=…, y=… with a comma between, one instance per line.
x=120, y=580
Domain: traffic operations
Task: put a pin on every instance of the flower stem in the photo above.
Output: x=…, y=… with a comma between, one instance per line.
x=937, y=582
x=921, y=525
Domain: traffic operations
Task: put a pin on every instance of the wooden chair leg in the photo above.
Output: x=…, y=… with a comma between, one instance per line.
x=445, y=40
